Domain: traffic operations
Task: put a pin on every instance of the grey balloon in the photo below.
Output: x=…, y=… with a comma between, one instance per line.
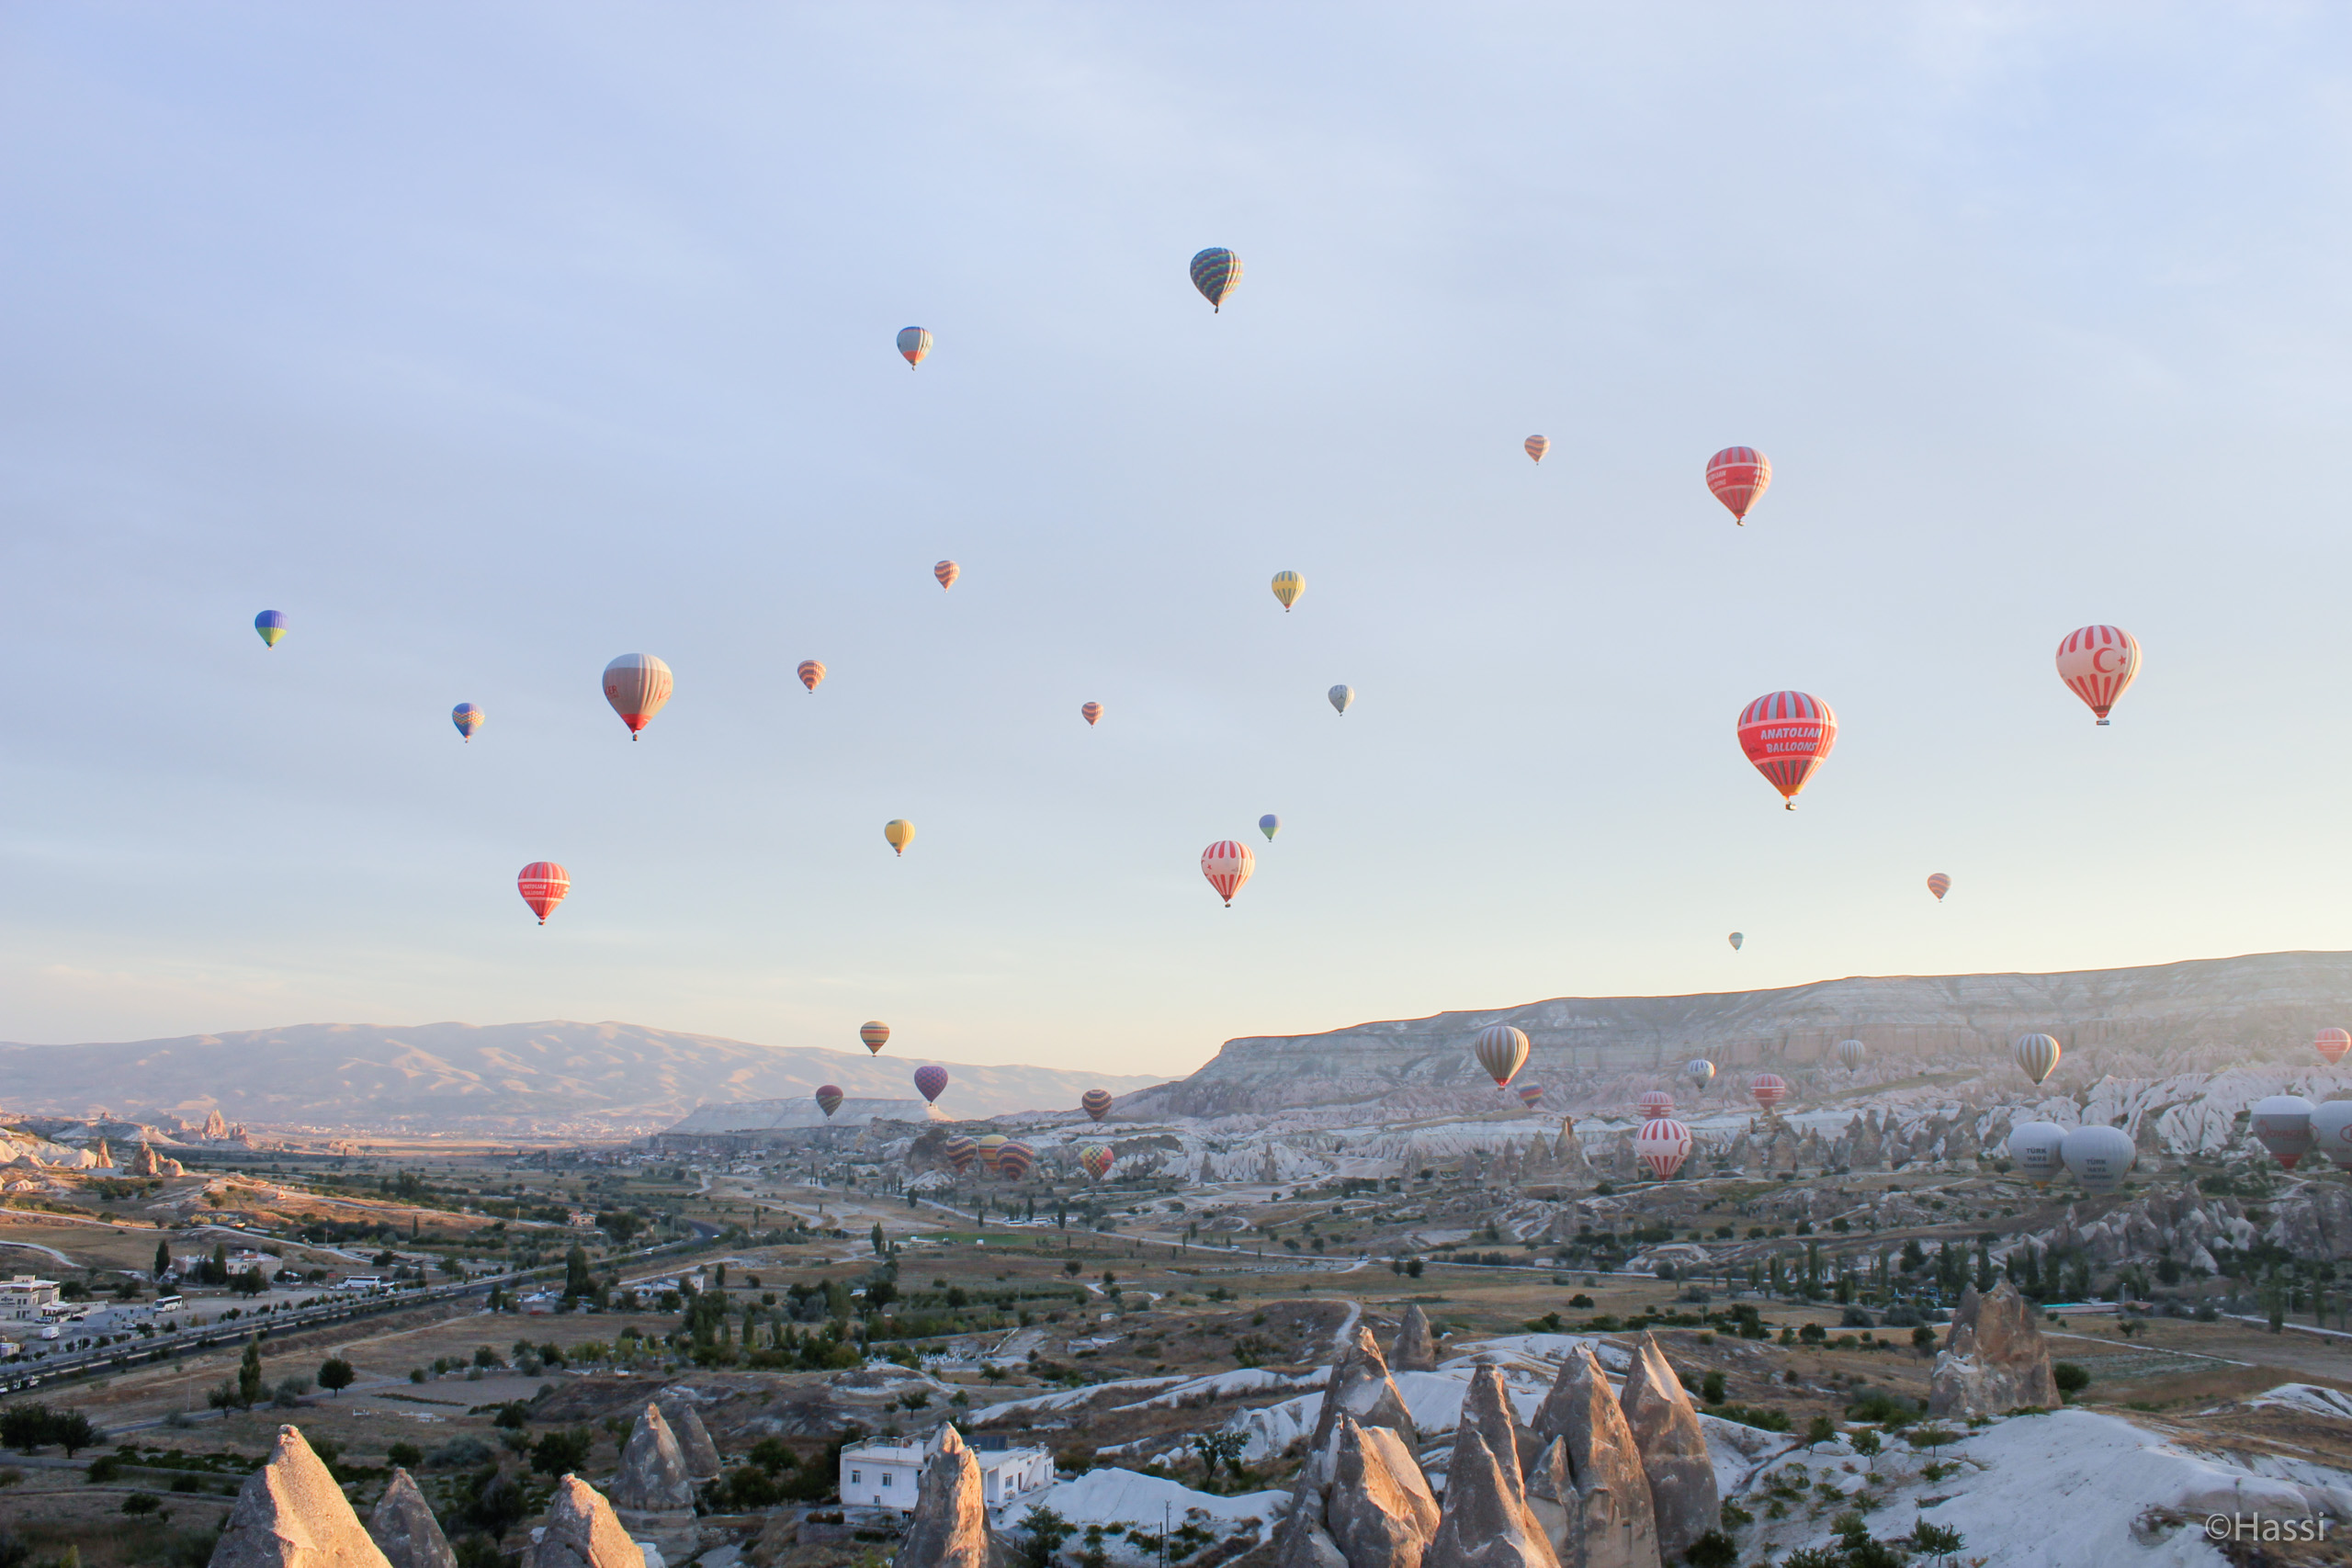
x=2034, y=1146
x=2100, y=1157
x=2282, y=1123
x=2332, y=1131
x=1342, y=695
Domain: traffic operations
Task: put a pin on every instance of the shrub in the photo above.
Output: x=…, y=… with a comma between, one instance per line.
x=408, y=1455
x=2071, y=1379
x=141, y=1503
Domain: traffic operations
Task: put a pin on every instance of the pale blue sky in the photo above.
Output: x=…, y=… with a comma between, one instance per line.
x=488, y=342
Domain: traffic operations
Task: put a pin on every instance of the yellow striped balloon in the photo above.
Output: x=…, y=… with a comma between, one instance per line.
x=1288, y=586
x=1537, y=446
x=899, y=833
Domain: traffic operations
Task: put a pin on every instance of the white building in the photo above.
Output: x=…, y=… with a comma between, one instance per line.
x=888, y=1475
x=23, y=1297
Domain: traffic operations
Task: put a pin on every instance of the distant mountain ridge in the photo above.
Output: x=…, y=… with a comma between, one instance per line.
x=548, y=1078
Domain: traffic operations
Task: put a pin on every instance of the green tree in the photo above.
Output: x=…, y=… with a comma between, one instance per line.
x=1868, y=1443
x=880, y=1247
x=561, y=1454
x=336, y=1374
x=577, y=1279
x=249, y=1379
x=1042, y=1533
x=162, y=1261
x=2071, y=1380
x=1938, y=1541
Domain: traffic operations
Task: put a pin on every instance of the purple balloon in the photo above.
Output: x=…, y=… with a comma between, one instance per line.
x=930, y=1081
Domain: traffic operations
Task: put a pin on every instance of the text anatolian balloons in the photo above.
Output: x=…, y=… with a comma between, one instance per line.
x=876, y=1033
x=2037, y=1054
x=1216, y=273
x=2034, y=1146
x=1228, y=865
x=1663, y=1144
x=1537, y=446
x=1939, y=884
x=930, y=1081
x=2282, y=1123
x=1342, y=695
x=2100, y=1157
x=2098, y=663
x=812, y=671
x=543, y=885
x=1737, y=476
x=1787, y=735
x=829, y=1098
x=2331, y=1044
x=914, y=343
x=637, y=684
x=1655, y=1103
x=1502, y=1051
x=468, y=718
x=1700, y=1071
x=947, y=572
x=1095, y=1102
x=2331, y=1131
x=1851, y=1052
x=1769, y=1089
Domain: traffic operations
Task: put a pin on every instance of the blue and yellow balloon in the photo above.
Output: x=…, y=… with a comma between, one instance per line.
x=467, y=718
x=271, y=625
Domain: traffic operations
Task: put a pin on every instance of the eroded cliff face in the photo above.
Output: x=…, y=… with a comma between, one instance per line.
x=2174, y=1017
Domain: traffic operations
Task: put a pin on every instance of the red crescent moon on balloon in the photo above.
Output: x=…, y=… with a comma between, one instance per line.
x=2098, y=660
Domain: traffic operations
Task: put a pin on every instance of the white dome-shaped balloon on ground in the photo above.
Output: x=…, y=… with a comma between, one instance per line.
x=2100, y=1157
x=1850, y=1052
x=1663, y=1144
x=2332, y=1131
x=2282, y=1123
x=2033, y=1148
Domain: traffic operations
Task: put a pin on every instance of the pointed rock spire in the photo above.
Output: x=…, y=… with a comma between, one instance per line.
x=1591, y=1474
x=290, y=1514
x=1674, y=1451
x=1487, y=1522
x=694, y=1438
x=1415, y=1347
x=1380, y=1512
x=950, y=1528
x=653, y=1478
x=404, y=1528
x=582, y=1533
x=1360, y=1386
x=1995, y=1359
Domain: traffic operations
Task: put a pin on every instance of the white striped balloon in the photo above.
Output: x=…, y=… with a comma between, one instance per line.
x=1851, y=1052
x=1502, y=1051
x=2037, y=1054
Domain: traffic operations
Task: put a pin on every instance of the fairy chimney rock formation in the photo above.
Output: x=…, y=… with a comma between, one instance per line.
x=653, y=1478
x=1487, y=1522
x=1360, y=1386
x=1674, y=1451
x=290, y=1514
x=1301, y=1541
x=405, y=1530
x=1995, y=1359
x=694, y=1438
x=147, y=1162
x=1380, y=1512
x=582, y=1533
x=950, y=1526
x=216, y=1126
x=1590, y=1488
x=1415, y=1347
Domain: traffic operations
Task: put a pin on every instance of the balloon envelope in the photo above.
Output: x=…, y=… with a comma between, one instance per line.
x=1537, y=446
x=543, y=885
x=876, y=1033
x=1095, y=1102
x=637, y=684
x=468, y=718
x=811, y=672
x=1270, y=824
x=1502, y=1051
x=1090, y=711
x=1737, y=938
x=1655, y=1103
x=1228, y=865
x=1216, y=273
x=914, y=343
x=2332, y=1131
x=1787, y=736
x=899, y=833
x=1851, y=1052
x=1662, y=1144
x=1097, y=1160
x=829, y=1098
x=1939, y=884
x=987, y=1149
x=1700, y=1071
x=1341, y=696
x=1014, y=1160
x=2037, y=1054
x=2100, y=1157
x=2099, y=663
x=2034, y=1146
x=947, y=572
x=960, y=1152
x=2282, y=1123
x=1288, y=586
x=1769, y=1089
x=1530, y=1094
x=271, y=625
x=929, y=1079
x=1739, y=476
x=2331, y=1044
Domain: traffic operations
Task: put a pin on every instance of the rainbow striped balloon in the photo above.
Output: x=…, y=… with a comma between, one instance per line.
x=1537, y=446
x=947, y=572
x=829, y=1098
x=1939, y=884
x=1015, y=1161
x=1216, y=273
x=876, y=1033
x=467, y=718
x=960, y=1152
x=1095, y=1102
x=1090, y=711
x=812, y=671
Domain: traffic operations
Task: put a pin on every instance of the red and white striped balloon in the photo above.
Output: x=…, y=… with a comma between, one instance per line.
x=1769, y=1089
x=1663, y=1144
x=1738, y=475
x=1787, y=735
x=1655, y=1103
x=1228, y=865
x=2331, y=1044
x=2099, y=663
x=543, y=885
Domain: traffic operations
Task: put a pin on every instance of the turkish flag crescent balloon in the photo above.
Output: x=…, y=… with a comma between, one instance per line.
x=2331, y=1044
x=1228, y=865
x=2099, y=663
x=1739, y=476
x=1663, y=1144
x=1787, y=735
x=543, y=885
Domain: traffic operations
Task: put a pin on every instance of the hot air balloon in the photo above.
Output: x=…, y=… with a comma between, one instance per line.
x=2034, y=1146
x=1342, y=695
x=1700, y=1071
x=829, y=1098
x=1738, y=475
x=2282, y=1123
x=914, y=343
x=1737, y=938
x=1288, y=586
x=1097, y=1160
x=1662, y=1144
x=637, y=684
x=1095, y=1102
x=2100, y=1157
x=1787, y=735
x=930, y=1080
x=989, y=1148
x=1769, y=1090
x=1939, y=884
x=1537, y=446
x=1270, y=824
x=1015, y=1161
x=876, y=1033
x=812, y=671
x=1531, y=1095
x=2331, y=1131
x=543, y=885
x=271, y=625
x=899, y=833
x=468, y=718
x=959, y=1152
x=1655, y=1103
x=1851, y=1052
x=1090, y=711
x=2331, y=1044
x=2098, y=663
x=1216, y=273
x=947, y=572
x=1502, y=1051
x=1228, y=865
x=2037, y=1054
